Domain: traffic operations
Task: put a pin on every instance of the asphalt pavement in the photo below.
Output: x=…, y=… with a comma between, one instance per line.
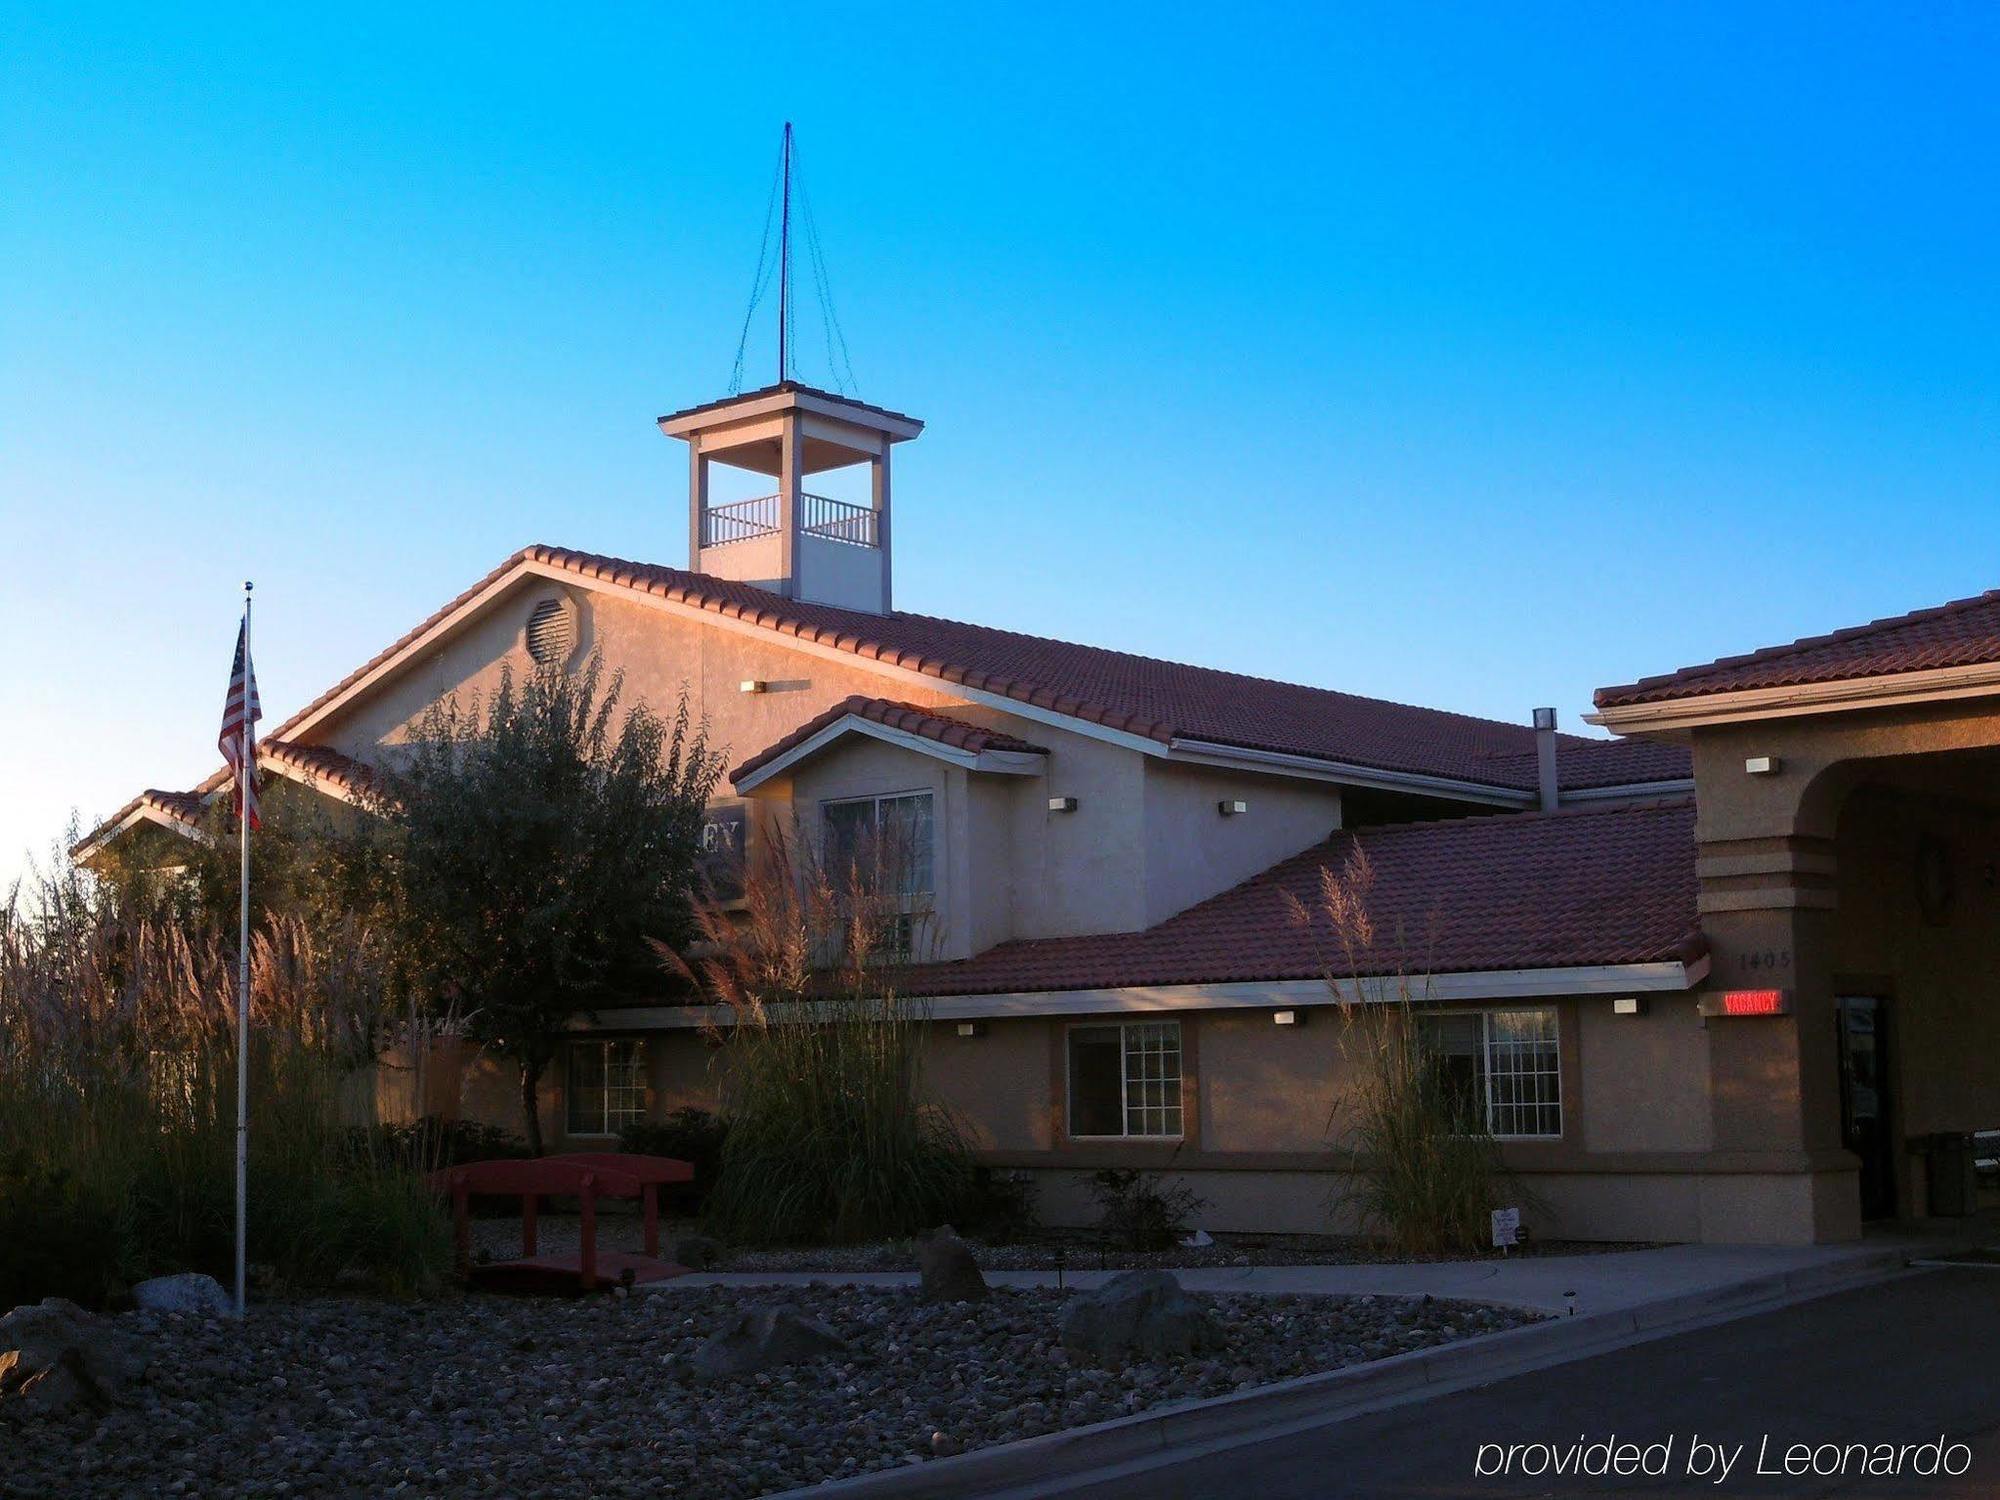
x=1878, y=1392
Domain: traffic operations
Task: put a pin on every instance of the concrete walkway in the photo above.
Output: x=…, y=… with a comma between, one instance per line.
x=1559, y=1284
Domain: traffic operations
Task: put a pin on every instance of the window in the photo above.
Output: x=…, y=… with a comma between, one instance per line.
x=886, y=837
x=1504, y=1065
x=1125, y=1080
x=607, y=1086
x=884, y=845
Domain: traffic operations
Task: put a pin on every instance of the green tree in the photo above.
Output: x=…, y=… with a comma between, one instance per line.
x=527, y=850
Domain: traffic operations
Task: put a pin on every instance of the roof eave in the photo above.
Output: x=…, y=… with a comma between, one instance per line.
x=1894, y=690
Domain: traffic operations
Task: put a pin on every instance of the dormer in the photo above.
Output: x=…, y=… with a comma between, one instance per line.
x=802, y=545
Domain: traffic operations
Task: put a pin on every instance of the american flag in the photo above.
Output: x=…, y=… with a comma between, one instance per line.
x=241, y=705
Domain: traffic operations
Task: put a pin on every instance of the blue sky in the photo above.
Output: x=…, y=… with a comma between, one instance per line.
x=1467, y=356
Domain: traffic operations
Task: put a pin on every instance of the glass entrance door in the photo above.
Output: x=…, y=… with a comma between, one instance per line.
x=1864, y=1100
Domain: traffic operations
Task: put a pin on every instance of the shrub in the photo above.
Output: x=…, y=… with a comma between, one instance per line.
x=833, y=1134
x=999, y=1206
x=433, y=1142
x=691, y=1135
x=1140, y=1213
x=54, y=1241
x=118, y=1106
x=1424, y=1172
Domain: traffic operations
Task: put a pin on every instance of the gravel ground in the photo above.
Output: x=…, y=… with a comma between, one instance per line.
x=496, y=1396
x=557, y=1235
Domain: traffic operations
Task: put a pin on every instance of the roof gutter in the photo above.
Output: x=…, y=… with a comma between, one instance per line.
x=1492, y=984
x=1212, y=753
x=1901, y=689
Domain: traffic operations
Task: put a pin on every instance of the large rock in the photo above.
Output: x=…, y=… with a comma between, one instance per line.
x=1137, y=1315
x=762, y=1338
x=54, y=1356
x=190, y=1292
x=948, y=1271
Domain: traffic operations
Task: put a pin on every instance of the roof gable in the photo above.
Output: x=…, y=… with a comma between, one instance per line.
x=921, y=729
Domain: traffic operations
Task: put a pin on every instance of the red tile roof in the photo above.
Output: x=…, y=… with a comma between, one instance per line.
x=1963, y=633
x=1585, y=886
x=321, y=762
x=1153, y=699
x=907, y=717
x=1143, y=696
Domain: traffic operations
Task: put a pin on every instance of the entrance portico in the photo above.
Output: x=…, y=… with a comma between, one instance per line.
x=1848, y=857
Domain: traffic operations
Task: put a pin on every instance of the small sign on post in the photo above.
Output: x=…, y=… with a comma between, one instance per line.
x=1506, y=1228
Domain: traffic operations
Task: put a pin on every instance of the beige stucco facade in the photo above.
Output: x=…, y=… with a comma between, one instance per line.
x=1846, y=858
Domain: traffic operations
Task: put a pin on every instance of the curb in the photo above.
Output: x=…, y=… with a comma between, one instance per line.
x=1062, y=1460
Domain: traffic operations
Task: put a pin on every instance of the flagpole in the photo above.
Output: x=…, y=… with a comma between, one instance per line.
x=244, y=772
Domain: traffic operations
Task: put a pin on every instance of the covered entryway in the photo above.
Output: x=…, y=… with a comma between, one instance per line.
x=1848, y=840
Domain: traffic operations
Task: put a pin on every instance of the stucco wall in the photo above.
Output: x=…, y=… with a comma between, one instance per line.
x=658, y=652
x=1192, y=851
x=1938, y=971
x=1644, y=1078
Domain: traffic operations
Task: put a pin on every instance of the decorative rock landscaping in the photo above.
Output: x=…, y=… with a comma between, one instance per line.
x=612, y=1396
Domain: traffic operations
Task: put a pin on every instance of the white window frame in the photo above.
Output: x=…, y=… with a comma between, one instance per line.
x=607, y=1130
x=1486, y=1013
x=1124, y=1078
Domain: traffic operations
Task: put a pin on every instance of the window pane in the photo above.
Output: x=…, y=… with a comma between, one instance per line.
x=849, y=836
x=1457, y=1059
x=1096, y=1103
x=1153, y=1078
x=906, y=842
x=1523, y=1059
x=624, y=1085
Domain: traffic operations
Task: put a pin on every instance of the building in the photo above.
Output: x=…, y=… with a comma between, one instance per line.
x=1106, y=840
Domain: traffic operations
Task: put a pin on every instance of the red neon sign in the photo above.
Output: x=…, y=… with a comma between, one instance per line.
x=1753, y=1003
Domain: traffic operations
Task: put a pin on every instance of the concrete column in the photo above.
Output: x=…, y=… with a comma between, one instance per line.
x=1766, y=868
x=878, y=476
x=790, y=458
x=697, y=500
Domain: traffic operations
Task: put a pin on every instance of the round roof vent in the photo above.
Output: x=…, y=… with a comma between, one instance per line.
x=551, y=633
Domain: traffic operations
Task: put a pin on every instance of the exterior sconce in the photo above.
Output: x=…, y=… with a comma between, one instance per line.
x=1287, y=1018
x=1232, y=808
x=752, y=685
x=971, y=1028
x=1628, y=1005
x=1062, y=804
x=1763, y=765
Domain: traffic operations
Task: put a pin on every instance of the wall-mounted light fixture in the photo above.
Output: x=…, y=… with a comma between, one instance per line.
x=1230, y=807
x=1062, y=804
x=1288, y=1018
x=972, y=1028
x=1628, y=1005
x=752, y=685
x=1763, y=765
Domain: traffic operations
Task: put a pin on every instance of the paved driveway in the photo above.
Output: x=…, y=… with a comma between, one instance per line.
x=1898, y=1363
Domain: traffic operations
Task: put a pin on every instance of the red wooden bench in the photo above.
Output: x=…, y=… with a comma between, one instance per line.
x=584, y=1175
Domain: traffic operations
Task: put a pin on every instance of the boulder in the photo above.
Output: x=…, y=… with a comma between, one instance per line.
x=54, y=1356
x=1137, y=1315
x=762, y=1338
x=696, y=1251
x=947, y=1270
x=190, y=1292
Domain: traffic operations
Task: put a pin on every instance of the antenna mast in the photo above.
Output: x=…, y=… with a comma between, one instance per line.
x=785, y=258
